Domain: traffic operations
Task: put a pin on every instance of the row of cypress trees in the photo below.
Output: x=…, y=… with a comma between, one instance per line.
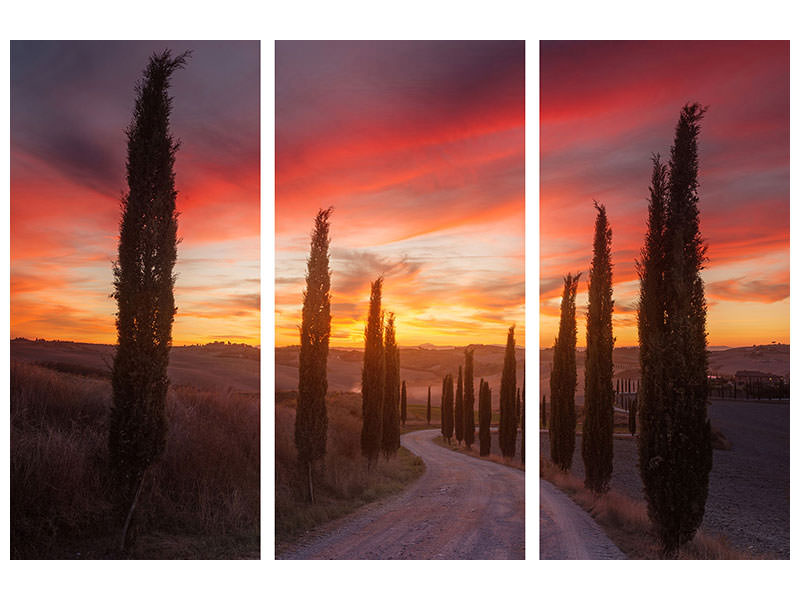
x=383, y=400
x=675, y=452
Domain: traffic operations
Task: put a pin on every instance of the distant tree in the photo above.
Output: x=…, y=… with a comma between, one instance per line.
x=485, y=417
x=675, y=452
x=442, y=419
x=143, y=289
x=390, y=443
x=597, y=441
x=447, y=407
x=508, y=413
x=311, y=421
x=563, y=380
x=518, y=406
x=403, y=404
x=544, y=411
x=373, y=377
x=459, y=413
x=469, y=397
x=429, y=405
x=632, y=417
x=522, y=425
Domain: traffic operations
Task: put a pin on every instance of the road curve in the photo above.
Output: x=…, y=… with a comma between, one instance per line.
x=460, y=508
x=566, y=531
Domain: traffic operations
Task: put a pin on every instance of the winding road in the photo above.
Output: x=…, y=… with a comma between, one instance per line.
x=460, y=508
x=566, y=531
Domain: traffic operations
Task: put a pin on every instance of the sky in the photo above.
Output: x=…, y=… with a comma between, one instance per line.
x=605, y=108
x=419, y=149
x=70, y=105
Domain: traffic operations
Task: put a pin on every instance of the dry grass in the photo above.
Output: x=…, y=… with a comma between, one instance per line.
x=343, y=483
x=201, y=500
x=474, y=452
x=626, y=523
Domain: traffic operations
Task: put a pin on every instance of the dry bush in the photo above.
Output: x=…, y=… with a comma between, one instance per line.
x=206, y=485
x=627, y=524
x=343, y=482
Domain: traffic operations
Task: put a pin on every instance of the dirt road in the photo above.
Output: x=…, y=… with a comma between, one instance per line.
x=566, y=531
x=461, y=508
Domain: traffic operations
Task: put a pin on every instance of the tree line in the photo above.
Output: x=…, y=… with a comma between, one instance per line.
x=674, y=440
x=384, y=396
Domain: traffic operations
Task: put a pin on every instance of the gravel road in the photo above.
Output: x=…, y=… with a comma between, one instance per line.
x=748, y=491
x=566, y=531
x=461, y=508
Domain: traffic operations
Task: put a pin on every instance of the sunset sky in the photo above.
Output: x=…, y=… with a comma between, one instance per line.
x=70, y=105
x=605, y=108
x=419, y=147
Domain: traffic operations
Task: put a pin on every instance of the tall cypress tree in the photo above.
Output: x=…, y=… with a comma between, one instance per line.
x=143, y=288
x=390, y=436
x=447, y=404
x=458, y=422
x=469, y=397
x=508, y=409
x=597, y=445
x=403, y=404
x=522, y=424
x=429, y=405
x=564, y=380
x=311, y=421
x=373, y=377
x=675, y=452
x=485, y=417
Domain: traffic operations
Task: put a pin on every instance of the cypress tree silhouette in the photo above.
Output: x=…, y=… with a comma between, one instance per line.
x=390, y=443
x=544, y=411
x=143, y=289
x=311, y=421
x=373, y=377
x=403, y=404
x=485, y=417
x=597, y=441
x=447, y=407
x=563, y=380
x=429, y=405
x=459, y=412
x=675, y=452
x=508, y=411
x=469, y=397
x=522, y=424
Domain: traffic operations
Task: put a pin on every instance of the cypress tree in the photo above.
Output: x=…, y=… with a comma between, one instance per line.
x=390, y=436
x=563, y=380
x=143, y=288
x=518, y=406
x=469, y=397
x=443, y=423
x=508, y=413
x=373, y=377
x=632, y=417
x=544, y=411
x=447, y=411
x=403, y=404
x=597, y=442
x=311, y=421
x=675, y=452
x=522, y=425
x=459, y=410
x=485, y=417
x=429, y=405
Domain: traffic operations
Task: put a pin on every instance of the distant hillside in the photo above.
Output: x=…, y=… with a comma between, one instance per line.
x=217, y=365
x=770, y=358
x=420, y=367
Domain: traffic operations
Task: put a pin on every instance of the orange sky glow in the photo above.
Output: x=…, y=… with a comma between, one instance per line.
x=71, y=102
x=419, y=147
x=606, y=107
